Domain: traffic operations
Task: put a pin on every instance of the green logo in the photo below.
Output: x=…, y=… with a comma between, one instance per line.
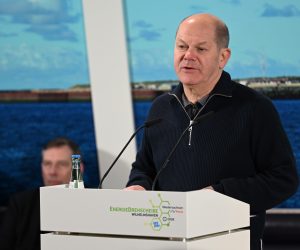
x=160, y=211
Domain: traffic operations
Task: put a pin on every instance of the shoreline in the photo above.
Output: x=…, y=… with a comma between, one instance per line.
x=280, y=92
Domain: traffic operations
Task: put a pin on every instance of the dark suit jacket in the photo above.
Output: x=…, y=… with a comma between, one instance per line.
x=20, y=229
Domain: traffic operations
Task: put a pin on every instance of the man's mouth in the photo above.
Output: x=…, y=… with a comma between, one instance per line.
x=52, y=183
x=188, y=68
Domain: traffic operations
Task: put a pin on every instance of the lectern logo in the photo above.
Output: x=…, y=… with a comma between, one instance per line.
x=165, y=213
x=161, y=212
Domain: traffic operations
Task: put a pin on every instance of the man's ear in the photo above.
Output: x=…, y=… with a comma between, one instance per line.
x=225, y=54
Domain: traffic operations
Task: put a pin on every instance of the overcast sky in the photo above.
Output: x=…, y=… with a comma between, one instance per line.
x=43, y=44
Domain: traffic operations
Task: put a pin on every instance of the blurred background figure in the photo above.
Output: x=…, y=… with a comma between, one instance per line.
x=56, y=161
x=20, y=228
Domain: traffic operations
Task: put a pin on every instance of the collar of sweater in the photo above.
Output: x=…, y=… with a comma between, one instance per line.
x=223, y=87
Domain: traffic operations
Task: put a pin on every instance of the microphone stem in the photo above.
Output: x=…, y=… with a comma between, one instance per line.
x=111, y=166
x=169, y=156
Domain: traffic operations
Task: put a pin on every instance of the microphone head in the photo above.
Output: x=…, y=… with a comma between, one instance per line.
x=152, y=122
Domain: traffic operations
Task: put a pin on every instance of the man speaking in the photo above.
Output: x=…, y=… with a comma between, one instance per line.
x=241, y=150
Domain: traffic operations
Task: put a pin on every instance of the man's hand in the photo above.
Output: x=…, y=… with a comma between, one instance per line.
x=209, y=187
x=135, y=187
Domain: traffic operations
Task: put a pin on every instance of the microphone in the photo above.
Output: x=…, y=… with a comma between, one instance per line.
x=192, y=123
x=146, y=124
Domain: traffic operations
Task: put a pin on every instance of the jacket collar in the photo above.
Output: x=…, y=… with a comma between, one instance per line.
x=223, y=87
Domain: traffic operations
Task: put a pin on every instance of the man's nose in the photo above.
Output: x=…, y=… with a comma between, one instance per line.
x=189, y=54
x=53, y=169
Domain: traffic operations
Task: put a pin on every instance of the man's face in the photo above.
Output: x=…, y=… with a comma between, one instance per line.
x=56, y=165
x=197, y=58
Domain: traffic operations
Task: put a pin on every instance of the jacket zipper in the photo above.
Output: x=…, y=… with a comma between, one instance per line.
x=190, y=133
x=191, y=128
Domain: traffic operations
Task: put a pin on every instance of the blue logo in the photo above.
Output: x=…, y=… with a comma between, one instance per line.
x=156, y=224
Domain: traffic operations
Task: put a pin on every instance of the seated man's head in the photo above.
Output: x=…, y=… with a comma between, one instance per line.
x=57, y=162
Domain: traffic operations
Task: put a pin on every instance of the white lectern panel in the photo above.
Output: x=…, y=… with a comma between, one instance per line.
x=140, y=213
x=234, y=241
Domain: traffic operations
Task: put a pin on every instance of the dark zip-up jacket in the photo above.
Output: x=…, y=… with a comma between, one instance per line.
x=241, y=150
x=20, y=229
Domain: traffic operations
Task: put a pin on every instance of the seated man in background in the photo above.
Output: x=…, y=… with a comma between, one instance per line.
x=21, y=225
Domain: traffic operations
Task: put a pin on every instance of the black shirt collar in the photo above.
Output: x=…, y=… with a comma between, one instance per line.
x=223, y=87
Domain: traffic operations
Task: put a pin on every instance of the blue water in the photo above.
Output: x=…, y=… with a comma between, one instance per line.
x=25, y=127
x=289, y=111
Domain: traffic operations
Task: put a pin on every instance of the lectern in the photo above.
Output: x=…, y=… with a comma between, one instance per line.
x=90, y=219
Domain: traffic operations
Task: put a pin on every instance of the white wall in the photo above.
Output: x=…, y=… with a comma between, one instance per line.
x=111, y=92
